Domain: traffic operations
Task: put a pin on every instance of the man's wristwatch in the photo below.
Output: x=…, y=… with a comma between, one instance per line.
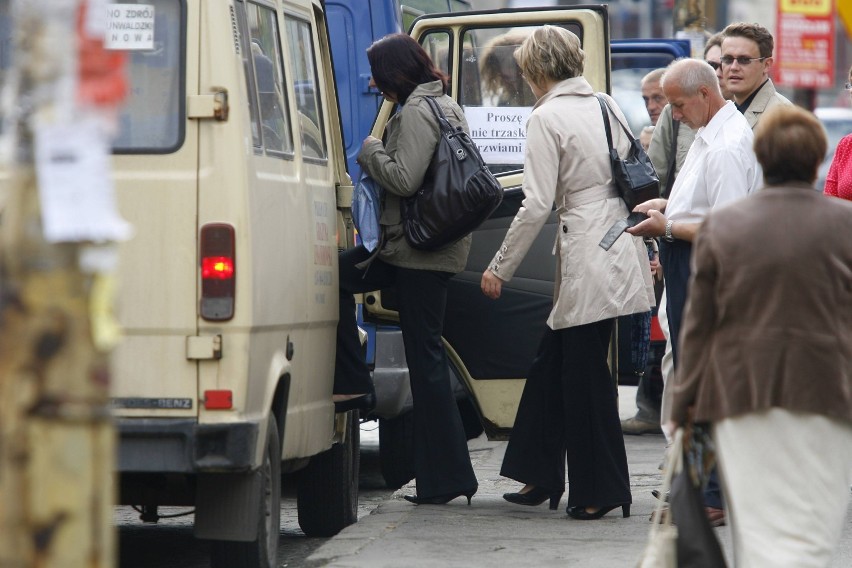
x=668, y=234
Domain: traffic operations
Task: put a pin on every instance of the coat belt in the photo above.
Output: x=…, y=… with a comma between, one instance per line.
x=588, y=195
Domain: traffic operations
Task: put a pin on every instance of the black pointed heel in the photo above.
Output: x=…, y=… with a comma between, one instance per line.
x=533, y=497
x=581, y=514
x=440, y=499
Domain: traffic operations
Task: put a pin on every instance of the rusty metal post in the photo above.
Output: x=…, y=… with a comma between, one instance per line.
x=56, y=436
x=690, y=23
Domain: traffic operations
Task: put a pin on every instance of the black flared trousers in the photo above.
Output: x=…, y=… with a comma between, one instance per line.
x=569, y=409
x=441, y=458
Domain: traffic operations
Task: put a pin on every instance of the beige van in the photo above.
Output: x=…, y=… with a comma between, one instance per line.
x=229, y=165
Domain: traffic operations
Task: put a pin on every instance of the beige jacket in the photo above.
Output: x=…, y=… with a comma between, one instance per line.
x=399, y=166
x=766, y=98
x=768, y=321
x=567, y=164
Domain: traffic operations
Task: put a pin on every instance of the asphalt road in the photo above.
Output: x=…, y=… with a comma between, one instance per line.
x=170, y=544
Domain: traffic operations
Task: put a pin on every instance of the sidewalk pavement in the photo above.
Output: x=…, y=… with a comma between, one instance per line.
x=494, y=533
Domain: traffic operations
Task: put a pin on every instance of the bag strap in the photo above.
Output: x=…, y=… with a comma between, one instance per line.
x=445, y=125
x=626, y=130
x=452, y=135
x=674, y=463
x=606, y=120
x=673, y=160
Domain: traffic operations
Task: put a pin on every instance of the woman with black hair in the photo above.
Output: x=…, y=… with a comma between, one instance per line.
x=405, y=75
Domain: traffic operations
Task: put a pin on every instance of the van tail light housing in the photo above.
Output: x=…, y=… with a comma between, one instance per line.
x=218, y=271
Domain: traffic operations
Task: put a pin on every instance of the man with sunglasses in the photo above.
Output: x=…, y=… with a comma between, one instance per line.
x=746, y=61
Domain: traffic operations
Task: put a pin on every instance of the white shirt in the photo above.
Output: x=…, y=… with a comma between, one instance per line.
x=720, y=167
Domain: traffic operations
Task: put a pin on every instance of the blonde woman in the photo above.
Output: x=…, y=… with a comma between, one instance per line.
x=568, y=408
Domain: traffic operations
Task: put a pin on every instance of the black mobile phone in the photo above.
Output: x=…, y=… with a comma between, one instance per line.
x=635, y=218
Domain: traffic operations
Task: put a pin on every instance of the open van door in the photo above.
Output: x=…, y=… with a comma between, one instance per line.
x=492, y=344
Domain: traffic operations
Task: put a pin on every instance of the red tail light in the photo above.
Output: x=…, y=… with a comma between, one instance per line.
x=218, y=399
x=218, y=271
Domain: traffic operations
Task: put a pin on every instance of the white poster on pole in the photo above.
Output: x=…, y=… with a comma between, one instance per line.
x=75, y=186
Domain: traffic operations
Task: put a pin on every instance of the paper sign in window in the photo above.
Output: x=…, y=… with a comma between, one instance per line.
x=130, y=27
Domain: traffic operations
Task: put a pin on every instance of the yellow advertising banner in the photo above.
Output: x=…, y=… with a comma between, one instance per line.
x=845, y=9
x=804, y=44
x=806, y=7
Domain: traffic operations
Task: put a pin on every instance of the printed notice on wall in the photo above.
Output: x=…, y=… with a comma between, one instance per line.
x=130, y=27
x=500, y=133
x=75, y=184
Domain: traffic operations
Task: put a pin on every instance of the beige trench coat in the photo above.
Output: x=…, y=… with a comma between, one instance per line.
x=567, y=163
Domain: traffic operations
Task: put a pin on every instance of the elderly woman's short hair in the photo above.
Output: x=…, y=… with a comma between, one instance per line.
x=790, y=144
x=550, y=53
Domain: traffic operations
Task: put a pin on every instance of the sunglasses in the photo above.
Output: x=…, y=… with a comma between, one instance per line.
x=742, y=60
x=714, y=64
x=848, y=86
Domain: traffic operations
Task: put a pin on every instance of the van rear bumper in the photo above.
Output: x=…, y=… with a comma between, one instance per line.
x=185, y=446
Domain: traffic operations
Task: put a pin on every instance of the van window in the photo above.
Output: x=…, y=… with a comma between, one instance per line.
x=265, y=48
x=306, y=85
x=151, y=119
x=496, y=99
x=437, y=45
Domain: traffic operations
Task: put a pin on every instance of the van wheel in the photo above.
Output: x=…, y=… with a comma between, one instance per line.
x=396, y=449
x=327, y=494
x=263, y=552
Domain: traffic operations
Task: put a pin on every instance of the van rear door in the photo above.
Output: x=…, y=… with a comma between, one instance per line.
x=492, y=344
x=156, y=168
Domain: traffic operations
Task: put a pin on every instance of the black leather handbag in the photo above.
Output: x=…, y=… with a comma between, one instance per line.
x=457, y=195
x=634, y=176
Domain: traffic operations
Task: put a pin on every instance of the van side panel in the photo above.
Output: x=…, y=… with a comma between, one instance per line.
x=282, y=208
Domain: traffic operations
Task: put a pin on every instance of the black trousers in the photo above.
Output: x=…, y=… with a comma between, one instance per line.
x=675, y=258
x=569, y=409
x=441, y=458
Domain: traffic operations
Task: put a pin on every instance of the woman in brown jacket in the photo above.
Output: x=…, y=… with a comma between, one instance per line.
x=767, y=351
x=569, y=401
x=404, y=73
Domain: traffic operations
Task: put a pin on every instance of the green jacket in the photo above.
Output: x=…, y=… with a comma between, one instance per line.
x=399, y=166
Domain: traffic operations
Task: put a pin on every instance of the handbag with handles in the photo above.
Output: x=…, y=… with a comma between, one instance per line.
x=661, y=550
x=634, y=176
x=457, y=195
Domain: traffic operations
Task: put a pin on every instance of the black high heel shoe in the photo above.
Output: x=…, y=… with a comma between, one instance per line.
x=364, y=403
x=440, y=499
x=581, y=514
x=534, y=497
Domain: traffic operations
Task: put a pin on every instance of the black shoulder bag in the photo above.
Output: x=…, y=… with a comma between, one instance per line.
x=634, y=176
x=457, y=195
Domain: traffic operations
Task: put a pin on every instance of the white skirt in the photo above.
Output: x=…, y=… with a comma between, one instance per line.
x=786, y=478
